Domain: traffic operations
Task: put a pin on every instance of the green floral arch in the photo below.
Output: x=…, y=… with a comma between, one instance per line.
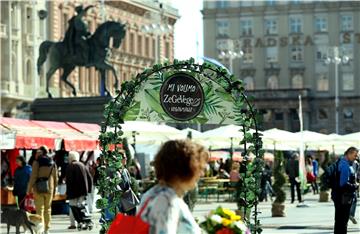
x=248, y=190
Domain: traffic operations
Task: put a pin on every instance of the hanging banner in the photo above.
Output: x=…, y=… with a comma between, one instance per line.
x=179, y=96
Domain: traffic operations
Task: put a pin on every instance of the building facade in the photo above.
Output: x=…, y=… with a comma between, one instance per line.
x=292, y=48
x=149, y=39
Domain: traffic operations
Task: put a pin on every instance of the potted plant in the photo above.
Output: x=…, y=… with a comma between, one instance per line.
x=278, y=207
x=324, y=190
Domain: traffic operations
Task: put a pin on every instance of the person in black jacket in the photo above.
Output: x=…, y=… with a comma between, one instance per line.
x=21, y=180
x=78, y=183
x=292, y=170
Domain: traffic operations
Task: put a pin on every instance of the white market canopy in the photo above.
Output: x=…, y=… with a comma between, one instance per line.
x=148, y=132
x=276, y=139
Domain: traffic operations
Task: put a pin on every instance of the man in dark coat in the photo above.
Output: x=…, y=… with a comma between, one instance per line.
x=78, y=183
x=292, y=170
x=78, y=33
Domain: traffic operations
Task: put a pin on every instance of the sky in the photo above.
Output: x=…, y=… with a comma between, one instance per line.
x=188, y=29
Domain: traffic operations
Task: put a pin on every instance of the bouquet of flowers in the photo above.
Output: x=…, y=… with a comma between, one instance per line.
x=224, y=221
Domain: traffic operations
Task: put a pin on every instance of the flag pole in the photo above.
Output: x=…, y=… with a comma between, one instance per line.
x=302, y=156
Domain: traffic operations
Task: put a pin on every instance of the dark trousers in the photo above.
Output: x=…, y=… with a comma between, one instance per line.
x=342, y=213
x=314, y=187
x=293, y=184
x=21, y=201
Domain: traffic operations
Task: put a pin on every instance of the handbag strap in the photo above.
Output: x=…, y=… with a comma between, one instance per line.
x=143, y=208
x=52, y=167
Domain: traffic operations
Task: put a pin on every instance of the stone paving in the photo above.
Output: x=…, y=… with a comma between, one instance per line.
x=315, y=218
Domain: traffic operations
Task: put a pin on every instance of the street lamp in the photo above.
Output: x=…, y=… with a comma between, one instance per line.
x=158, y=29
x=336, y=59
x=230, y=55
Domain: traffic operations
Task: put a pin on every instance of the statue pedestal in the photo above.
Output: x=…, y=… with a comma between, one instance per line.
x=74, y=109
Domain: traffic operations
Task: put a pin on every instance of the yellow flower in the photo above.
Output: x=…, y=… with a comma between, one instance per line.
x=235, y=217
x=225, y=222
x=228, y=212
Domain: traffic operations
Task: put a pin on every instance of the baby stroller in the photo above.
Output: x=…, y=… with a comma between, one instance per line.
x=82, y=217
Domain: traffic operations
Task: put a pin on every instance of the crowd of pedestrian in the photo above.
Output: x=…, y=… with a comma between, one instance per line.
x=78, y=172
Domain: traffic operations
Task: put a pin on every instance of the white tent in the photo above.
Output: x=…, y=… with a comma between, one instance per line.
x=149, y=133
x=276, y=139
x=194, y=133
x=221, y=137
x=352, y=139
x=311, y=139
x=332, y=143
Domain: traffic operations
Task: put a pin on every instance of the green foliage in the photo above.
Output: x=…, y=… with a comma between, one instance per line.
x=279, y=177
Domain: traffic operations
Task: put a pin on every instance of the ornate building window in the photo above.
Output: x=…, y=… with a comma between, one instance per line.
x=348, y=81
x=348, y=50
x=296, y=25
x=248, y=56
x=322, y=45
x=249, y=83
x=321, y=24
x=271, y=26
x=272, y=54
x=321, y=52
x=297, y=82
x=347, y=23
x=296, y=53
x=246, y=27
x=222, y=4
x=273, y=82
x=222, y=27
x=322, y=82
x=269, y=2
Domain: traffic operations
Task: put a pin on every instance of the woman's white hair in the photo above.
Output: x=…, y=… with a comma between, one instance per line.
x=74, y=156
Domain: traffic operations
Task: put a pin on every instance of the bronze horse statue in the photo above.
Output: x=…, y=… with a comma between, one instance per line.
x=60, y=56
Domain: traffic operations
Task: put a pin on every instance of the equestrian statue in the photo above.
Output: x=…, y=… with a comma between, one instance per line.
x=80, y=48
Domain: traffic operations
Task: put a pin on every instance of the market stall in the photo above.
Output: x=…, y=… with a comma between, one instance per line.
x=72, y=138
x=19, y=135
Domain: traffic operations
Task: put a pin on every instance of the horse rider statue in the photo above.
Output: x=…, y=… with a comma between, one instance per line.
x=77, y=35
